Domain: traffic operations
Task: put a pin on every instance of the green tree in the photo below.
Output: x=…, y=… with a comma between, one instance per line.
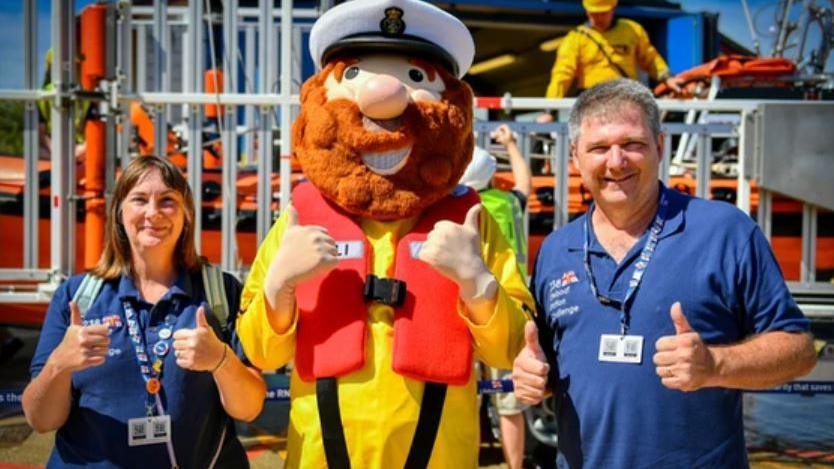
x=11, y=128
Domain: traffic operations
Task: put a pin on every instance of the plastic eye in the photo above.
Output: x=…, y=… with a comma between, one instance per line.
x=415, y=75
x=351, y=73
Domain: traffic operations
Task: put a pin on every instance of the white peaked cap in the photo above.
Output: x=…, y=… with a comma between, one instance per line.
x=392, y=26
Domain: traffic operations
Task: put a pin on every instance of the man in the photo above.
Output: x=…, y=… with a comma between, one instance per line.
x=605, y=49
x=507, y=208
x=655, y=309
x=382, y=281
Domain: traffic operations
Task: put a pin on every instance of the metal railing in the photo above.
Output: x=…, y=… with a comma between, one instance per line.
x=262, y=25
x=155, y=61
x=815, y=297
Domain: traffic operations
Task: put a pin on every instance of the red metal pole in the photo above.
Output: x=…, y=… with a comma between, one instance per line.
x=93, y=41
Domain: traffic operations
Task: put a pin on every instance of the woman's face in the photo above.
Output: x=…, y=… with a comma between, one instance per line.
x=153, y=215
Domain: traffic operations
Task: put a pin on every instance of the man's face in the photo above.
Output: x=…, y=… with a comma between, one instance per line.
x=384, y=136
x=601, y=21
x=617, y=157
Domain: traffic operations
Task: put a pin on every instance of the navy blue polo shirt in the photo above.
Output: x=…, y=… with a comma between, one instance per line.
x=716, y=262
x=105, y=397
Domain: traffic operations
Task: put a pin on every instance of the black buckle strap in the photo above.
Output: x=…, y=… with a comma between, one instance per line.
x=333, y=433
x=431, y=408
x=389, y=291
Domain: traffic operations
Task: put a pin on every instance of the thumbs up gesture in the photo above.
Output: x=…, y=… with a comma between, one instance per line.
x=305, y=252
x=82, y=346
x=198, y=349
x=455, y=251
x=530, y=368
x=683, y=361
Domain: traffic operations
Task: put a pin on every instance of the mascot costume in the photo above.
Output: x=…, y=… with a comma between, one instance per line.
x=384, y=278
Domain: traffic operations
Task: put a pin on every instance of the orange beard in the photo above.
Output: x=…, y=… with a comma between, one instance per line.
x=329, y=139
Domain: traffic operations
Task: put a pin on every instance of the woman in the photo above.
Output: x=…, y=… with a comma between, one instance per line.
x=143, y=380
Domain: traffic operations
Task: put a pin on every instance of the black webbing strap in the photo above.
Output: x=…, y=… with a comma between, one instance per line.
x=585, y=31
x=332, y=432
x=427, y=424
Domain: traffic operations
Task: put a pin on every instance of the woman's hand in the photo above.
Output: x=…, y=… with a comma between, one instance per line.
x=82, y=346
x=199, y=349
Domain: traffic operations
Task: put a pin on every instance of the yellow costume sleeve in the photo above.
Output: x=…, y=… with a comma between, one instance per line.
x=499, y=340
x=647, y=56
x=565, y=67
x=264, y=348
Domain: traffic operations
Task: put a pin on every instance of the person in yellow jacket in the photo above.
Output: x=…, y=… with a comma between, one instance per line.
x=384, y=281
x=605, y=49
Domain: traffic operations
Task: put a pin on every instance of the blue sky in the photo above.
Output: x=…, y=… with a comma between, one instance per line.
x=731, y=23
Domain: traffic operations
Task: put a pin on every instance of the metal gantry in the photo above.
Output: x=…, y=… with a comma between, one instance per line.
x=169, y=80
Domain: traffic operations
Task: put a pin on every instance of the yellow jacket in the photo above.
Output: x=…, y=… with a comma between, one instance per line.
x=379, y=408
x=580, y=58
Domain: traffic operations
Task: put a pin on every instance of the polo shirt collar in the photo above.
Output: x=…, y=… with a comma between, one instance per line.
x=183, y=286
x=674, y=222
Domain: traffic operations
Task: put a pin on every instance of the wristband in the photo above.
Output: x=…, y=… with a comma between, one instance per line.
x=222, y=359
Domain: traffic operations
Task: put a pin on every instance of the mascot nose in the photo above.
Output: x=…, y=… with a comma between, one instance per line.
x=382, y=97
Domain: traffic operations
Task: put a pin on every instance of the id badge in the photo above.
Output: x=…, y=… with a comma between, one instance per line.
x=617, y=348
x=149, y=430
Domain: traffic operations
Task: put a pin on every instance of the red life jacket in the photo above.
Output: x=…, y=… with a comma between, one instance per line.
x=431, y=341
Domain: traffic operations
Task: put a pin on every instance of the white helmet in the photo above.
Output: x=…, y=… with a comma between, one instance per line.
x=479, y=173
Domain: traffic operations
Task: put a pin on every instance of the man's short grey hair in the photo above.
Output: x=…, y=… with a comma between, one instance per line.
x=607, y=99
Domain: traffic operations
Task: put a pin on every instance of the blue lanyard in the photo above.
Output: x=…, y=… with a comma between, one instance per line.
x=639, y=267
x=150, y=373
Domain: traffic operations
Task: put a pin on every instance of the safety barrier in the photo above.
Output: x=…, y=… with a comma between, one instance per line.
x=159, y=32
x=12, y=397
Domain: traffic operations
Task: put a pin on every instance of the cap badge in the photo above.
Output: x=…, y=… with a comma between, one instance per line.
x=392, y=24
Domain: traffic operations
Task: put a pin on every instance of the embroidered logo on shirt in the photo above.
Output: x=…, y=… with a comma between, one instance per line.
x=112, y=321
x=556, y=290
x=567, y=278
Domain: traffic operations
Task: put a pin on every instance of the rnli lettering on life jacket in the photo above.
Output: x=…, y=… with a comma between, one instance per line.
x=414, y=248
x=350, y=249
x=431, y=341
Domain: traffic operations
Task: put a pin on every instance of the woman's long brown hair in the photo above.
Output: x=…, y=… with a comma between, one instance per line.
x=117, y=256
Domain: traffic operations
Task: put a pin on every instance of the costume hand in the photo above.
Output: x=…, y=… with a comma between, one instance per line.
x=198, y=349
x=530, y=368
x=305, y=252
x=683, y=361
x=82, y=346
x=455, y=251
x=503, y=135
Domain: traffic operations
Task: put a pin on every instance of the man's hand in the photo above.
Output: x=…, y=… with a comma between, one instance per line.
x=683, y=361
x=530, y=368
x=455, y=251
x=82, y=346
x=305, y=252
x=503, y=135
x=198, y=349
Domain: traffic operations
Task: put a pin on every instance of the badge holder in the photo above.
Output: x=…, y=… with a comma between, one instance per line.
x=618, y=348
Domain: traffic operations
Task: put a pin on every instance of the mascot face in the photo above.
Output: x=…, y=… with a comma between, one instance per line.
x=384, y=136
